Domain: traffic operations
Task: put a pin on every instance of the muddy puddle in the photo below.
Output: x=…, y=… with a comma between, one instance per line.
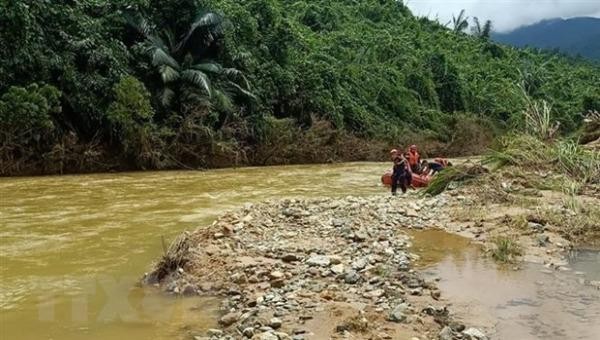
x=531, y=303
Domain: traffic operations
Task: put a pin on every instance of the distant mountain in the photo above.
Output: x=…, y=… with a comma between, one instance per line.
x=575, y=36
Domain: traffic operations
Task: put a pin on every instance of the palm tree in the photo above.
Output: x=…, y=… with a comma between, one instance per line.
x=480, y=31
x=460, y=23
x=186, y=66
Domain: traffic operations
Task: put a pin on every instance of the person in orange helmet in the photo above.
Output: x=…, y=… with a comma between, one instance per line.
x=414, y=159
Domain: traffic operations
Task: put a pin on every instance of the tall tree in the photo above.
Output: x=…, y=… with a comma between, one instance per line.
x=186, y=65
x=460, y=23
x=482, y=31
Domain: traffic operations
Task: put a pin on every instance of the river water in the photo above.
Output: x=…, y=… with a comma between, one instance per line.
x=74, y=247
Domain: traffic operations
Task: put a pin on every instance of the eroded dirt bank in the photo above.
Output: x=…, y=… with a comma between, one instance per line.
x=337, y=268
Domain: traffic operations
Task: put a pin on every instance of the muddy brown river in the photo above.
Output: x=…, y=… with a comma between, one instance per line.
x=73, y=248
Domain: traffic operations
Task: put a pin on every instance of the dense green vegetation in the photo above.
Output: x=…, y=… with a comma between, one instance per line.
x=97, y=84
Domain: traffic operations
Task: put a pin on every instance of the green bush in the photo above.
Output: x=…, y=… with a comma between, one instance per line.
x=132, y=104
x=29, y=109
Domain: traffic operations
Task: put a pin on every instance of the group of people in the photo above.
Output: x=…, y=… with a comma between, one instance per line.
x=408, y=163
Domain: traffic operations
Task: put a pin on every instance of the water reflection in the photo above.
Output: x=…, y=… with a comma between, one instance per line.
x=531, y=303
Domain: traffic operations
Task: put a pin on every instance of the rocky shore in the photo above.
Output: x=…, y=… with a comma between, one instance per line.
x=329, y=268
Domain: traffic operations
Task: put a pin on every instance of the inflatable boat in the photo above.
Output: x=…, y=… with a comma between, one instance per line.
x=418, y=181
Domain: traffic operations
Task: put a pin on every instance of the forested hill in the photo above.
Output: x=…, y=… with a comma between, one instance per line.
x=94, y=85
x=575, y=36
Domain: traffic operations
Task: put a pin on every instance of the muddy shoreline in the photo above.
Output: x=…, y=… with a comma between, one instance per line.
x=332, y=268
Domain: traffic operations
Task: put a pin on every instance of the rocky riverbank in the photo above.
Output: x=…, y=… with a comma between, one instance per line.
x=329, y=268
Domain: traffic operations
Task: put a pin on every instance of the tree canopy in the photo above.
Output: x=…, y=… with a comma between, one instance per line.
x=209, y=75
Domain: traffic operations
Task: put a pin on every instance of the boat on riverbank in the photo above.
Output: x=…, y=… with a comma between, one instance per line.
x=418, y=181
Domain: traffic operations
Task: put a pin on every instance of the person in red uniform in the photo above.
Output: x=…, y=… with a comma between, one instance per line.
x=414, y=159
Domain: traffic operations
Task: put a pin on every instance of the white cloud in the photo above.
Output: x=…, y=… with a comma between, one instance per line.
x=505, y=14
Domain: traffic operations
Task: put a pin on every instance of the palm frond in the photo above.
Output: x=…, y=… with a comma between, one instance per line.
x=168, y=74
x=160, y=58
x=198, y=78
x=170, y=40
x=206, y=21
x=222, y=101
x=166, y=97
x=242, y=91
x=138, y=23
x=208, y=67
x=232, y=73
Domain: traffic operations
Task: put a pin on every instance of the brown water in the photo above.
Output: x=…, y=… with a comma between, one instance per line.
x=73, y=247
x=531, y=303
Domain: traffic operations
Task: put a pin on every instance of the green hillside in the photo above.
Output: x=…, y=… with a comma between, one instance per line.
x=140, y=84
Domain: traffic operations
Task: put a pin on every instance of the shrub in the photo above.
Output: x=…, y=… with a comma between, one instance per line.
x=29, y=109
x=131, y=116
x=506, y=249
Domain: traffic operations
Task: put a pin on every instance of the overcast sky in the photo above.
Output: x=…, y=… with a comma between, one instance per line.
x=505, y=14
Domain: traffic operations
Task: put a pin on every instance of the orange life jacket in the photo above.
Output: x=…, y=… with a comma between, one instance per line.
x=414, y=158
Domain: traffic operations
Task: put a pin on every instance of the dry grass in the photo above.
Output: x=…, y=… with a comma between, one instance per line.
x=174, y=257
x=455, y=174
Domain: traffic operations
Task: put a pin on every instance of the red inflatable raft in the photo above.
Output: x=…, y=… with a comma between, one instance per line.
x=418, y=181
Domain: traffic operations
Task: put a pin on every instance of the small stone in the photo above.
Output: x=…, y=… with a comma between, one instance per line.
x=290, y=258
x=445, y=334
x=376, y=293
x=436, y=294
x=360, y=236
x=248, y=332
x=398, y=314
x=337, y=223
x=338, y=269
x=266, y=336
x=218, y=235
x=229, y=318
x=276, y=275
x=334, y=259
x=275, y=323
x=318, y=261
x=351, y=277
x=417, y=291
x=359, y=264
x=474, y=334
x=412, y=213
x=214, y=332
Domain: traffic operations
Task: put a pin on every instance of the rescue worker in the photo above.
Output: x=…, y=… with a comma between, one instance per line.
x=438, y=165
x=401, y=172
x=414, y=159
